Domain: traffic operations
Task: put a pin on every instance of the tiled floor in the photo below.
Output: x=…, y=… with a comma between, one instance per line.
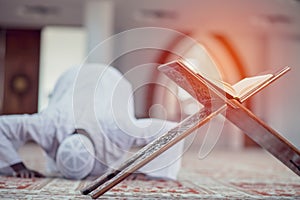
x=246, y=174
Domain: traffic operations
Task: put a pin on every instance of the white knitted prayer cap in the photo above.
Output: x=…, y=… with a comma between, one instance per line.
x=75, y=156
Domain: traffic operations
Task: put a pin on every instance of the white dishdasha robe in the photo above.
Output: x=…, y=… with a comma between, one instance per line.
x=98, y=99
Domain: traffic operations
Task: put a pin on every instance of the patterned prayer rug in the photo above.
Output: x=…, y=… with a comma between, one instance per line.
x=222, y=175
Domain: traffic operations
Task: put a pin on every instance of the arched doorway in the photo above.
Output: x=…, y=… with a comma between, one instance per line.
x=215, y=56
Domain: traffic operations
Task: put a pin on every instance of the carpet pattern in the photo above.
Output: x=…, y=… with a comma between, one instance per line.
x=251, y=174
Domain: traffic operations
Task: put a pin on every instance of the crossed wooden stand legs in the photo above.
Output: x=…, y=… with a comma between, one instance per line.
x=234, y=111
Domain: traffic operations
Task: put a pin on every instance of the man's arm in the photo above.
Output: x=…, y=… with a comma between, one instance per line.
x=12, y=135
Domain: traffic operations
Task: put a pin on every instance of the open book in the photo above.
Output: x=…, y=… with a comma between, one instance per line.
x=246, y=85
x=239, y=90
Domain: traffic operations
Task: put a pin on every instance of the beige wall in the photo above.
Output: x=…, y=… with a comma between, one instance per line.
x=61, y=48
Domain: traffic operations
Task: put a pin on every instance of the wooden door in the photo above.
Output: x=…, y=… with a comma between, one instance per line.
x=19, y=70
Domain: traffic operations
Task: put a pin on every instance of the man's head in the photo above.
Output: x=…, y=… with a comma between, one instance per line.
x=75, y=156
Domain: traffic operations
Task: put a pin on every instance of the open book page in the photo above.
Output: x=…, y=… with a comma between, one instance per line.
x=226, y=87
x=211, y=76
x=247, y=84
x=242, y=87
x=237, y=90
